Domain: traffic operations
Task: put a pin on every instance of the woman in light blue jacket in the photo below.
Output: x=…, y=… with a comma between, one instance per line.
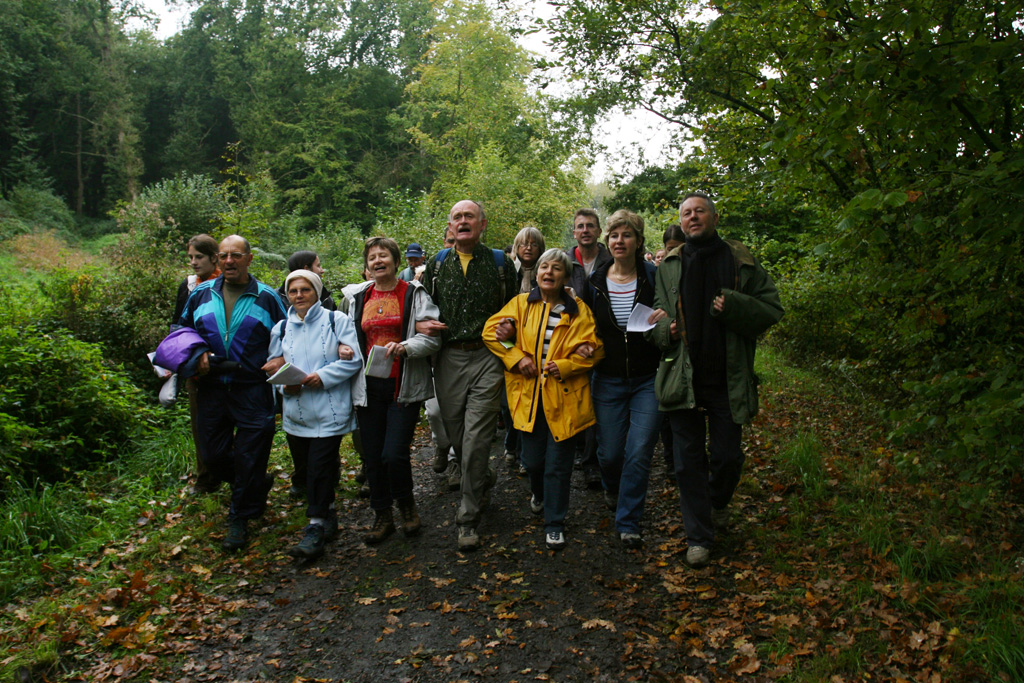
x=319, y=411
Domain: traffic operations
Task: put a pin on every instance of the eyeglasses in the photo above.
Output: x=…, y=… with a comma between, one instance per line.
x=233, y=255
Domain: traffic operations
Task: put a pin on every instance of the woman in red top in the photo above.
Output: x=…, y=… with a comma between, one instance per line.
x=396, y=381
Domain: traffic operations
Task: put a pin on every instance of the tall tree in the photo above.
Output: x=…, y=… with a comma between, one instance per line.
x=471, y=113
x=906, y=120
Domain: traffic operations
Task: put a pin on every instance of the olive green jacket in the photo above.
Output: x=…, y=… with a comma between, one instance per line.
x=751, y=307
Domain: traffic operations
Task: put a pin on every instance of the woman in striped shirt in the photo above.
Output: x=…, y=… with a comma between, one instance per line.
x=627, y=409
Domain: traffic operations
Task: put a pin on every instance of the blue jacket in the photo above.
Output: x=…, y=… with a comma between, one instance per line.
x=247, y=341
x=312, y=345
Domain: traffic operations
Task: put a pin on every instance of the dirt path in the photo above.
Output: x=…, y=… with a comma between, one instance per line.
x=418, y=610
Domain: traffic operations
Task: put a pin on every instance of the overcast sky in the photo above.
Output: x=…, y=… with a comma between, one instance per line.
x=633, y=138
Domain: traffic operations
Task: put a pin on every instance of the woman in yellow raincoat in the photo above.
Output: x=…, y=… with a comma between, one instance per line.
x=546, y=364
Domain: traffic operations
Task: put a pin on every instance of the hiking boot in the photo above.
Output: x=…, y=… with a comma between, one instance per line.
x=454, y=474
x=468, y=538
x=237, y=536
x=383, y=526
x=312, y=544
x=331, y=525
x=611, y=500
x=631, y=540
x=555, y=540
x=536, y=506
x=720, y=518
x=410, y=518
x=697, y=556
x=511, y=458
x=592, y=477
x=440, y=460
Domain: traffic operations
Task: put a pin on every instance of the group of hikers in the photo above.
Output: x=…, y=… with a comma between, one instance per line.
x=594, y=349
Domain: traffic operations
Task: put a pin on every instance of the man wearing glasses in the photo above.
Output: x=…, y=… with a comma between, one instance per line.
x=234, y=315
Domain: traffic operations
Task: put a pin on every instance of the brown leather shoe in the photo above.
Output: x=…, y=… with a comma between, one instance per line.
x=382, y=527
x=410, y=518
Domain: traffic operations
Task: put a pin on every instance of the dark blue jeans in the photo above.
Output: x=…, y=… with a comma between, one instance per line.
x=235, y=423
x=549, y=466
x=320, y=463
x=707, y=477
x=627, y=427
x=387, y=428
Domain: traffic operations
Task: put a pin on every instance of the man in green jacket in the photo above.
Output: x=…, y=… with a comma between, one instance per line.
x=718, y=299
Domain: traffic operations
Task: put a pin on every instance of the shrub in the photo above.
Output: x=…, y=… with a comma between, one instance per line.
x=42, y=208
x=62, y=407
x=173, y=210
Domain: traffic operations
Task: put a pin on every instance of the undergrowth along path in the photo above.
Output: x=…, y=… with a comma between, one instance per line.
x=837, y=565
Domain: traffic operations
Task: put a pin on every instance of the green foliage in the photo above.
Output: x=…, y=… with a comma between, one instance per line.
x=31, y=209
x=182, y=206
x=62, y=407
x=41, y=518
x=489, y=138
x=901, y=123
x=126, y=307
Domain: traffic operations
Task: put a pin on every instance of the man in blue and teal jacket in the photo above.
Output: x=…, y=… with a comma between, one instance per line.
x=234, y=315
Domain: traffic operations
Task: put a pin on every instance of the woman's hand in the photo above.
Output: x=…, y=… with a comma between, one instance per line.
x=312, y=380
x=395, y=350
x=552, y=369
x=584, y=350
x=203, y=367
x=345, y=352
x=527, y=367
x=656, y=316
x=273, y=365
x=292, y=389
x=505, y=330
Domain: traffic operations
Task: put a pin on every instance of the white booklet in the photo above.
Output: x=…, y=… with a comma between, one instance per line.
x=378, y=363
x=638, y=319
x=288, y=374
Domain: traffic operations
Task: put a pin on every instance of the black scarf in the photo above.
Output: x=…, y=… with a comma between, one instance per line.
x=707, y=268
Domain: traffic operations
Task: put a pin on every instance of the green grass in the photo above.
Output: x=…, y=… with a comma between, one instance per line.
x=802, y=459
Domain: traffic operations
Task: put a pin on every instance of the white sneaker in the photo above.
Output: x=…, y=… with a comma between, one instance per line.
x=536, y=506
x=697, y=556
x=555, y=540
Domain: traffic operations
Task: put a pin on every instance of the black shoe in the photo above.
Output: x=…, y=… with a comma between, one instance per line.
x=593, y=479
x=611, y=500
x=312, y=544
x=361, y=477
x=237, y=536
x=297, y=492
x=204, y=486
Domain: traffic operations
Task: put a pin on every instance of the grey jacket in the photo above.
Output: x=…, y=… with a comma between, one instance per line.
x=415, y=379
